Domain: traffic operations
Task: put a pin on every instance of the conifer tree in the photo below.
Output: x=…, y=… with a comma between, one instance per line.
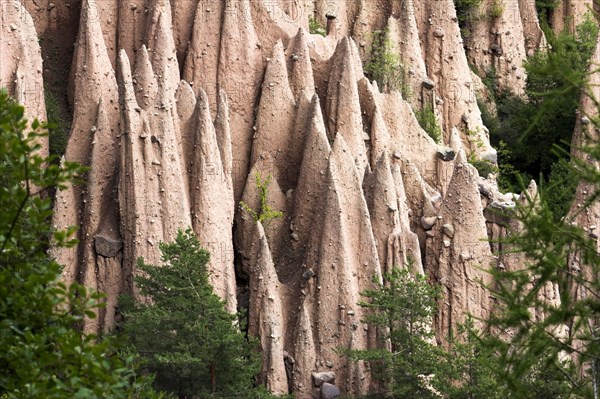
x=182, y=330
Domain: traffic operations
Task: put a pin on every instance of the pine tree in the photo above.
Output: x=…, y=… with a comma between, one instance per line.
x=402, y=310
x=182, y=331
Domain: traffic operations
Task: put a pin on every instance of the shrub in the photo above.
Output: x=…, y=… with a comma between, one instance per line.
x=315, y=27
x=497, y=9
x=484, y=167
x=265, y=214
x=385, y=66
x=428, y=122
x=532, y=128
x=402, y=310
x=560, y=187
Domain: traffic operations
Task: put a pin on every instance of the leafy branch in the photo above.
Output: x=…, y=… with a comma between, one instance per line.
x=265, y=213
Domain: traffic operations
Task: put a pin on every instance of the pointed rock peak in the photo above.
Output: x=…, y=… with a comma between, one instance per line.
x=143, y=66
x=383, y=164
x=380, y=137
x=186, y=100
x=162, y=45
x=530, y=194
x=461, y=158
x=342, y=164
x=301, y=66
x=206, y=139
x=343, y=104
x=276, y=73
x=358, y=69
x=383, y=180
x=340, y=149
x=375, y=87
x=369, y=96
x=300, y=40
x=91, y=57
x=89, y=21
x=223, y=105
x=203, y=102
x=343, y=53
x=125, y=81
x=223, y=112
x=144, y=79
x=262, y=239
x=316, y=124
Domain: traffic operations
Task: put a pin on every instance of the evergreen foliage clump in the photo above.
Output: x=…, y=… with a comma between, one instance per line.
x=530, y=326
x=182, y=331
x=537, y=128
x=402, y=309
x=58, y=126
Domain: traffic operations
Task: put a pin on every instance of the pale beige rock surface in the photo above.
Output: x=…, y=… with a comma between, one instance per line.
x=21, y=61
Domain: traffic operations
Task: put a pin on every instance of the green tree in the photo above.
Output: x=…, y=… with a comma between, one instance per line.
x=530, y=337
x=42, y=352
x=533, y=127
x=385, y=65
x=182, y=331
x=557, y=341
x=402, y=309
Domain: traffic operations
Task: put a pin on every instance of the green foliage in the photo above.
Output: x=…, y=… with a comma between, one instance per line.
x=548, y=244
x=183, y=332
x=315, y=27
x=402, y=309
x=538, y=130
x=497, y=9
x=484, y=167
x=490, y=80
x=559, y=190
x=42, y=352
x=58, y=124
x=473, y=367
x=466, y=11
x=385, y=66
x=543, y=7
x=428, y=122
x=554, y=95
x=265, y=214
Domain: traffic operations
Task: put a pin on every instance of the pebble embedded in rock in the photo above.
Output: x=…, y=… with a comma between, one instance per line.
x=428, y=222
x=323, y=377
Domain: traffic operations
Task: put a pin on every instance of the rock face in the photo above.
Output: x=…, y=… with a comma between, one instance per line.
x=183, y=108
x=21, y=61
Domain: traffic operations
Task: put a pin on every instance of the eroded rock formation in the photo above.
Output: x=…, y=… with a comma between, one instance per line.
x=183, y=108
